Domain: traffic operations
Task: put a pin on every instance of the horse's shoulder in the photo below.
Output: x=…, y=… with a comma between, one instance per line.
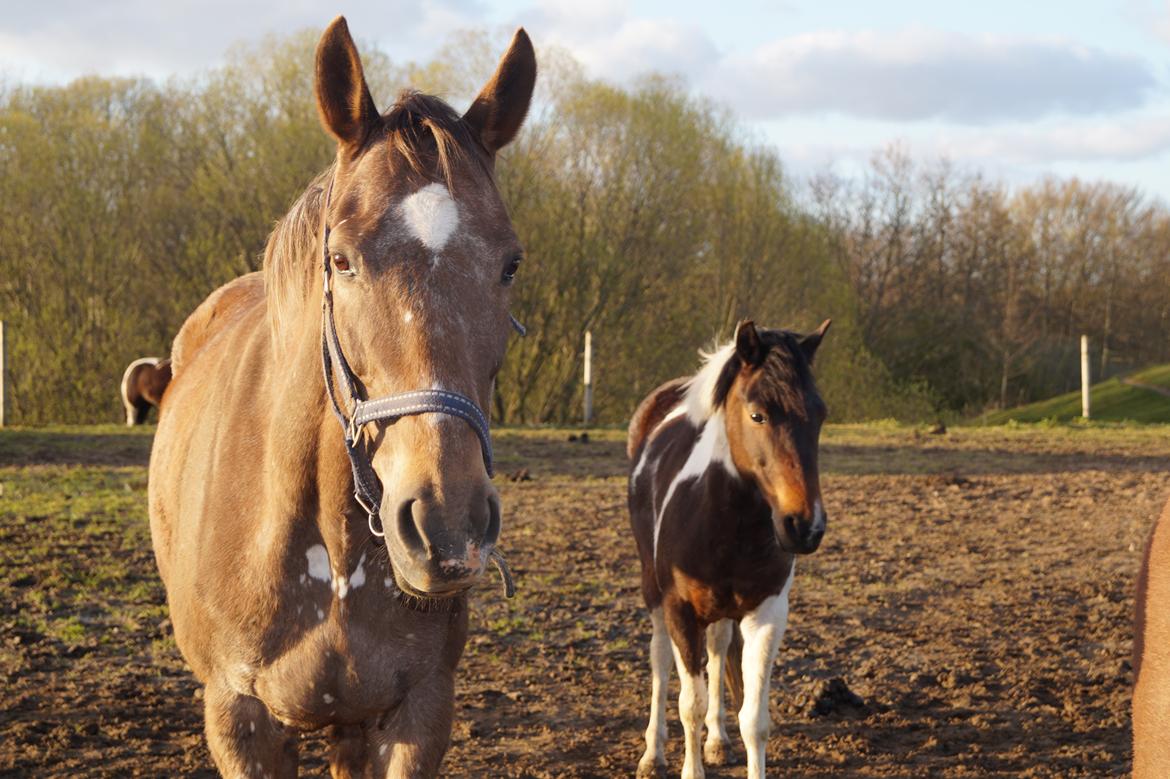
x=651, y=411
x=219, y=308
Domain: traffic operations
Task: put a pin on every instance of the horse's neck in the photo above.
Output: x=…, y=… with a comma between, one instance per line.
x=308, y=471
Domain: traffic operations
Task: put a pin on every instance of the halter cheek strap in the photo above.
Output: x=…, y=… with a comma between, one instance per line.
x=367, y=486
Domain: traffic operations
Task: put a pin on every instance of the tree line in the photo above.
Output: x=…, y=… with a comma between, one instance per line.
x=647, y=217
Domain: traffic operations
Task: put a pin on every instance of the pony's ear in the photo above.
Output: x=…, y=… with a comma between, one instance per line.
x=499, y=109
x=747, y=343
x=343, y=99
x=809, y=343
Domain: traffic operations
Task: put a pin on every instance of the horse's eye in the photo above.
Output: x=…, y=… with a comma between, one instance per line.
x=341, y=262
x=757, y=417
x=510, y=270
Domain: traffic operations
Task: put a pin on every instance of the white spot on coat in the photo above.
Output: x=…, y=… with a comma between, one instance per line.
x=341, y=587
x=319, y=563
x=711, y=449
x=358, y=577
x=327, y=698
x=431, y=215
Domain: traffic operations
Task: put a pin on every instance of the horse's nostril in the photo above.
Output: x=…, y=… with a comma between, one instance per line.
x=408, y=532
x=492, y=533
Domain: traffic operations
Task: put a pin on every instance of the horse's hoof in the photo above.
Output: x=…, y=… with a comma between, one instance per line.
x=648, y=769
x=716, y=753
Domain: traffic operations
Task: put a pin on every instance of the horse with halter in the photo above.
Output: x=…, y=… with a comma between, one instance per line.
x=724, y=492
x=143, y=384
x=1151, y=657
x=320, y=493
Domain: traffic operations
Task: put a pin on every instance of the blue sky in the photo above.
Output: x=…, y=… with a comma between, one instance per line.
x=1016, y=89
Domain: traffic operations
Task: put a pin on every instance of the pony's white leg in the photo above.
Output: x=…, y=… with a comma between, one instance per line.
x=763, y=630
x=715, y=748
x=692, y=709
x=653, y=762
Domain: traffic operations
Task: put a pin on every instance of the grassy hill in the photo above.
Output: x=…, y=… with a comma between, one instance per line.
x=1112, y=399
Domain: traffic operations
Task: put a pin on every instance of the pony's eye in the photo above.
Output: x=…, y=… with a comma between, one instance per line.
x=757, y=417
x=341, y=262
x=510, y=270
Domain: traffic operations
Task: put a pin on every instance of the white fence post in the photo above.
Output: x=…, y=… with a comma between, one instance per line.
x=588, y=377
x=3, y=375
x=1086, y=378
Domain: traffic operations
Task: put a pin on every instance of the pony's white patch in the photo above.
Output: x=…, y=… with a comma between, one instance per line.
x=252, y=726
x=318, y=563
x=382, y=750
x=674, y=413
x=700, y=392
x=408, y=317
x=763, y=630
x=388, y=583
x=431, y=215
x=358, y=577
x=320, y=614
x=327, y=698
x=711, y=449
x=341, y=587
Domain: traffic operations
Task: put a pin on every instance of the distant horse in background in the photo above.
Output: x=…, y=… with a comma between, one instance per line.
x=143, y=384
x=1151, y=657
x=724, y=492
x=320, y=483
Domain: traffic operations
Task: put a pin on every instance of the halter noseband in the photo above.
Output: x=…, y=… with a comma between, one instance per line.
x=367, y=488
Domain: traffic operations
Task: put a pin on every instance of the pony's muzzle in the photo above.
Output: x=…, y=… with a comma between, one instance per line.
x=801, y=535
x=438, y=549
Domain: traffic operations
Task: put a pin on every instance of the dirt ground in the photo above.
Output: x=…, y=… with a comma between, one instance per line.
x=974, y=589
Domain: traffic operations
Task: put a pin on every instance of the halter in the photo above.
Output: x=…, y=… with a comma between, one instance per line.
x=367, y=487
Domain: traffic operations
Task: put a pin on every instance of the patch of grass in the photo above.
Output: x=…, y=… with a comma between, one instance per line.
x=1112, y=400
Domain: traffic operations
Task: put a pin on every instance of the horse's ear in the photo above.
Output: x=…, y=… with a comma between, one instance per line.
x=499, y=109
x=343, y=99
x=747, y=343
x=809, y=343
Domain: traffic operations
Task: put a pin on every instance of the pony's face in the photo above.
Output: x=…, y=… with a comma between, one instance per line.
x=774, y=416
x=424, y=254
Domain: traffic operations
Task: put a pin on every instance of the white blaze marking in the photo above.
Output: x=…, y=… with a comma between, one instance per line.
x=318, y=563
x=710, y=449
x=342, y=587
x=431, y=216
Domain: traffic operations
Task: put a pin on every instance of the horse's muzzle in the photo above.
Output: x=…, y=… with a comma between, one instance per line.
x=799, y=535
x=435, y=554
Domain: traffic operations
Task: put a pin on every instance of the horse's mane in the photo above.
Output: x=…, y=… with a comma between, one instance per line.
x=425, y=132
x=786, y=376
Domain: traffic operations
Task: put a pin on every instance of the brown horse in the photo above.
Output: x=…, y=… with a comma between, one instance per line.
x=389, y=276
x=724, y=493
x=143, y=384
x=1151, y=657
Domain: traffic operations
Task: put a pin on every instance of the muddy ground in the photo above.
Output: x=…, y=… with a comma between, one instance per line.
x=974, y=590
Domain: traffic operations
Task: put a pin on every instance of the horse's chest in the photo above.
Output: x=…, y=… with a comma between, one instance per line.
x=356, y=665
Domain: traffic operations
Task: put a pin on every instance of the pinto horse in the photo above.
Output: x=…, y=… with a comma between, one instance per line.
x=143, y=384
x=724, y=493
x=317, y=572
x=1151, y=657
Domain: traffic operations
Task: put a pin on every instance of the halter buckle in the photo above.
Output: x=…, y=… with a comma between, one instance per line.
x=370, y=514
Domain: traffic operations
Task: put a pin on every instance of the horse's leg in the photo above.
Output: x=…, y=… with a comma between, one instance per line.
x=653, y=762
x=141, y=412
x=411, y=740
x=716, y=748
x=763, y=630
x=244, y=739
x=348, y=757
x=687, y=639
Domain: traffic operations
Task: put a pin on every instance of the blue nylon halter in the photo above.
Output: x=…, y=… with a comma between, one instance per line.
x=367, y=487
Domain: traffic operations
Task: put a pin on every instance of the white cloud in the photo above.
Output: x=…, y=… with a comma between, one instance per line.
x=921, y=74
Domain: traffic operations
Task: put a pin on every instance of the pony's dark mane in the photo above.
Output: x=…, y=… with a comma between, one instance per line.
x=427, y=133
x=785, y=376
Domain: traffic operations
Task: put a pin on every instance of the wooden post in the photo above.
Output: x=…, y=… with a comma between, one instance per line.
x=3, y=375
x=1086, y=378
x=588, y=377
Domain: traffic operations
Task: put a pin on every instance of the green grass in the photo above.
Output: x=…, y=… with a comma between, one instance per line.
x=1112, y=401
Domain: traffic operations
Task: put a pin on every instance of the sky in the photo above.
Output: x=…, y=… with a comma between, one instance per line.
x=1018, y=89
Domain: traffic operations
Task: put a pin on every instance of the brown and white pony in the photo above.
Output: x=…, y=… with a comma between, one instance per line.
x=284, y=603
x=724, y=493
x=143, y=384
x=1151, y=657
